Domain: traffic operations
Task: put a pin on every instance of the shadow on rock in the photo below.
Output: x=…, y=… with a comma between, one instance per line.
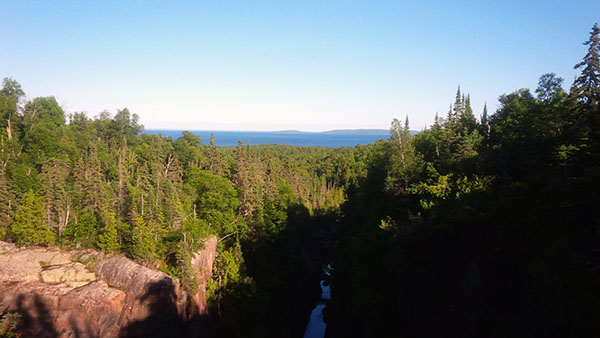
x=163, y=320
x=36, y=319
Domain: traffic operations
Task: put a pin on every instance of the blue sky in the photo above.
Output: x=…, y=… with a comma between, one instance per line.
x=271, y=65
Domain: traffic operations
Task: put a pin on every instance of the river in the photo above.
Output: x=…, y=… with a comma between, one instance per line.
x=316, y=326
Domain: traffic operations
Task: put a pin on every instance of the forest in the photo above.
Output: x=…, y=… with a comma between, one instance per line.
x=475, y=226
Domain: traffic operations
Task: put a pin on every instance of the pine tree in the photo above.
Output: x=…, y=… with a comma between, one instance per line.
x=29, y=224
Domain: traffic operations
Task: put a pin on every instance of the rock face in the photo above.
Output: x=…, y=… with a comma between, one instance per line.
x=202, y=262
x=89, y=294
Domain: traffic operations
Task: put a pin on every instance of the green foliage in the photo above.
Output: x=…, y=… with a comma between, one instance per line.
x=405, y=163
x=217, y=201
x=43, y=123
x=8, y=324
x=12, y=89
x=83, y=230
x=5, y=209
x=109, y=239
x=228, y=265
x=126, y=124
x=29, y=224
x=496, y=233
x=429, y=227
x=145, y=240
x=189, y=280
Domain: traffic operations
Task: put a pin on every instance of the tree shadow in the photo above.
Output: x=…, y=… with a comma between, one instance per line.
x=35, y=319
x=164, y=319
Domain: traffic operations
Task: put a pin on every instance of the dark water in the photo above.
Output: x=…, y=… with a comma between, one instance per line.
x=316, y=326
x=230, y=138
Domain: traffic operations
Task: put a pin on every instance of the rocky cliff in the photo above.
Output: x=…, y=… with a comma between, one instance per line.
x=90, y=294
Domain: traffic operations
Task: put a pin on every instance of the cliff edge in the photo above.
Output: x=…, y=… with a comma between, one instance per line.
x=89, y=294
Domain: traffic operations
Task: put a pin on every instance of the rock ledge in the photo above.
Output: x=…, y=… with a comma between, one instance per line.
x=90, y=294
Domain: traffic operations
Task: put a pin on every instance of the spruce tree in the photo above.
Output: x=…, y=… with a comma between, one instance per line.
x=189, y=281
x=586, y=87
x=5, y=206
x=484, y=117
x=29, y=224
x=485, y=122
x=109, y=239
x=458, y=107
x=145, y=244
x=216, y=167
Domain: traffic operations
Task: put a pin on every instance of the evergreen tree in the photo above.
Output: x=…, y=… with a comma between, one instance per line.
x=458, y=104
x=144, y=240
x=586, y=87
x=56, y=175
x=485, y=122
x=246, y=182
x=109, y=239
x=5, y=206
x=467, y=119
x=29, y=224
x=189, y=280
x=216, y=166
x=484, y=116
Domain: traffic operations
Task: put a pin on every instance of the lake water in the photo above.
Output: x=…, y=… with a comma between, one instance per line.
x=231, y=138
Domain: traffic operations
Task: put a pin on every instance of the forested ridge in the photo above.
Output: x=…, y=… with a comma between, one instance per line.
x=477, y=226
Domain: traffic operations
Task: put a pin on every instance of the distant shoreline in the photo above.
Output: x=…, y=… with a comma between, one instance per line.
x=334, y=138
x=287, y=131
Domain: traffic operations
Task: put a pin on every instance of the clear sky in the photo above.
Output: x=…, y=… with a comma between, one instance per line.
x=271, y=65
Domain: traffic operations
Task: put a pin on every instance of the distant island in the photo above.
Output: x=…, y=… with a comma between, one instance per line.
x=291, y=131
x=358, y=132
x=340, y=132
